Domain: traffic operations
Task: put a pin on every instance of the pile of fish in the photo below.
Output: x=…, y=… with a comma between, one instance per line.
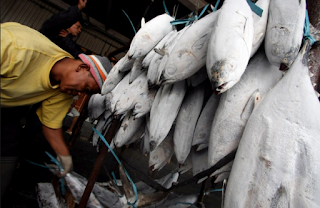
x=229, y=80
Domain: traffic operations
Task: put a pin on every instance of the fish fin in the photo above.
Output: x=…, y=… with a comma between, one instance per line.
x=252, y=102
x=143, y=22
x=160, y=51
x=317, y=93
x=224, y=184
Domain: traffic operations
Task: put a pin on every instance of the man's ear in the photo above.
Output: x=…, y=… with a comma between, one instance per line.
x=83, y=66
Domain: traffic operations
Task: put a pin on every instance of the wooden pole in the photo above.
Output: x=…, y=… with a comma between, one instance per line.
x=103, y=150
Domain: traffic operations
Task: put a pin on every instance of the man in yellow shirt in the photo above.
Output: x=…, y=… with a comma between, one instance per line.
x=34, y=69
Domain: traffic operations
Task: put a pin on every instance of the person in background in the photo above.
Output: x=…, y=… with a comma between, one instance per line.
x=33, y=70
x=63, y=26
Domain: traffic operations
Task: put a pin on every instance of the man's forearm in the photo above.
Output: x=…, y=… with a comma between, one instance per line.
x=55, y=139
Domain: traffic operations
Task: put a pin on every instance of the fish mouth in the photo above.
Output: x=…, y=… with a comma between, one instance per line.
x=283, y=67
x=220, y=89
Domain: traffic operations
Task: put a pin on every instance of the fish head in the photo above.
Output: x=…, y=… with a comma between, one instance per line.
x=140, y=46
x=223, y=75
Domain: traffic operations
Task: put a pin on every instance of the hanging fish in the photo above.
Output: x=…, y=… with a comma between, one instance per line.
x=149, y=35
x=230, y=45
x=284, y=31
x=277, y=161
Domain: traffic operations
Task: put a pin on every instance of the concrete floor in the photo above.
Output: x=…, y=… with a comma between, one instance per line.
x=22, y=191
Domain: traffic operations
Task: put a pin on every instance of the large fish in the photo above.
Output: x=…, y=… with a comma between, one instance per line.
x=259, y=25
x=128, y=127
x=118, y=91
x=136, y=69
x=113, y=78
x=130, y=96
x=160, y=156
x=235, y=106
x=277, y=162
x=144, y=103
x=230, y=45
x=284, y=31
x=77, y=189
x=46, y=196
x=96, y=106
x=201, y=133
x=164, y=113
x=149, y=35
x=186, y=122
x=189, y=53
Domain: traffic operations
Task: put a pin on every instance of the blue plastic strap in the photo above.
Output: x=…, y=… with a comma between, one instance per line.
x=203, y=10
x=133, y=185
x=60, y=168
x=33, y=163
x=135, y=32
x=255, y=8
x=165, y=8
x=216, y=6
x=306, y=30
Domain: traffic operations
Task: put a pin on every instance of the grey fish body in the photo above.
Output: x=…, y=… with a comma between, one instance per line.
x=186, y=122
x=149, y=35
x=230, y=45
x=189, y=53
x=136, y=69
x=128, y=127
x=144, y=103
x=203, y=127
x=284, y=31
x=160, y=156
x=113, y=78
x=231, y=115
x=282, y=167
x=163, y=114
x=96, y=106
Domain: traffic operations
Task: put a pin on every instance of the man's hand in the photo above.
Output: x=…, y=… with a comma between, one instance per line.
x=82, y=4
x=66, y=163
x=63, y=33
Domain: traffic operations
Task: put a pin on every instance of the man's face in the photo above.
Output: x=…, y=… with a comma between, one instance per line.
x=75, y=29
x=79, y=81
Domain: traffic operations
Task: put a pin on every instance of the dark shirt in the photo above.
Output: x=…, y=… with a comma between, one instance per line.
x=63, y=20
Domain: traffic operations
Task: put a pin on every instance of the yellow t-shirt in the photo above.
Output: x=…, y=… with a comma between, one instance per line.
x=27, y=57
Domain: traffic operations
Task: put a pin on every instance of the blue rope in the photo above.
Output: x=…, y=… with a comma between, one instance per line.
x=132, y=183
x=33, y=163
x=135, y=32
x=216, y=5
x=203, y=10
x=255, y=8
x=63, y=191
x=165, y=8
x=306, y=30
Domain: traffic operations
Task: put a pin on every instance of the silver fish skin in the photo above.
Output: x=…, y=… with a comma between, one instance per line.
x=149, y=35
x=102, y=126
x=284, y=31
x=222, y=173
x=106, y=197
x=186, y=122
x=77, y=189
x=46, y=196
x=230, y=45
x=118, y=91
x=145, y=142
x=167, y=48
x=131, y=94
x=128, y=127
x=113, y=78
x=282, y=166
x=187, y=165
x=136, y=69
x=259, y=25
x=160, y=156
x=203, y=127
x=147, y=60
x=138, y=134
x=235, y=106
x=96, y=106
x=189, y=53
x=199, y=77
x=165, y=113
x=183, y=201
x=144, y=103
x=126, y=63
